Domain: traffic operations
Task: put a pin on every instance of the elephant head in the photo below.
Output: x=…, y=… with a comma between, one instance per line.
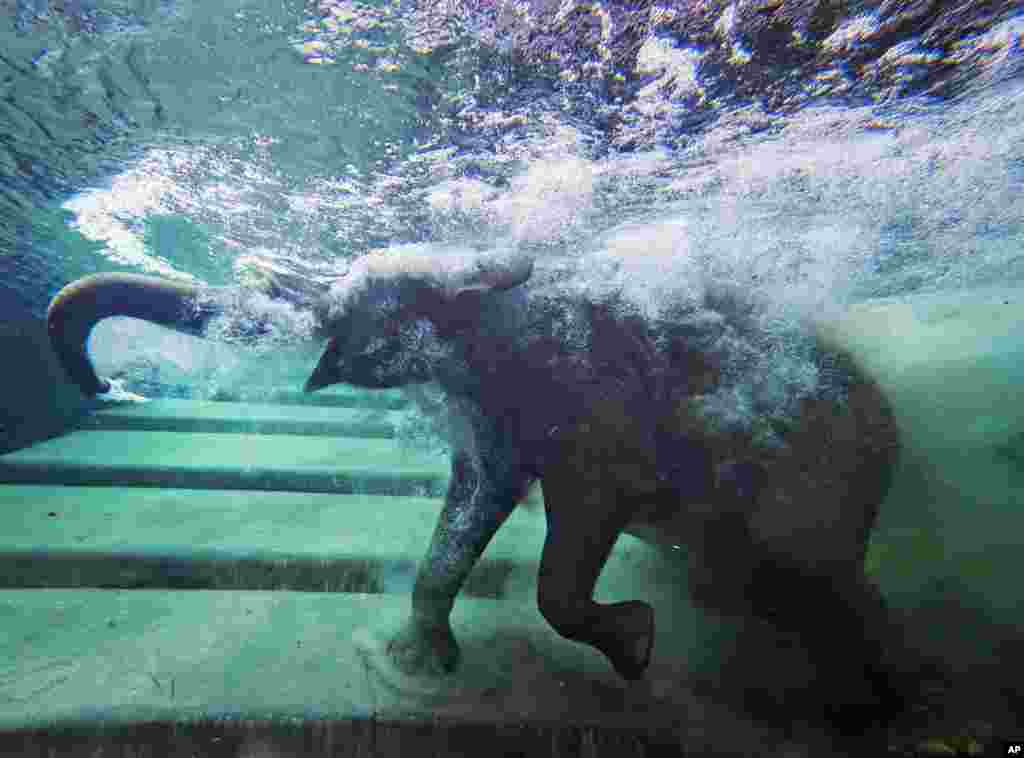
x=391, y=318
x=383, y=318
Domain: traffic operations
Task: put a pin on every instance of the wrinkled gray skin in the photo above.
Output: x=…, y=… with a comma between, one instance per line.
x=604, y=421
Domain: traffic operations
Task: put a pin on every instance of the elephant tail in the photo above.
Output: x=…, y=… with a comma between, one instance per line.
x=77, y=308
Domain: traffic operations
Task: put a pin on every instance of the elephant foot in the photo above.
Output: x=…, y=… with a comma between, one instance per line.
x=422, y=650
x=415, y=661
x=863, y=697
x=625, y=634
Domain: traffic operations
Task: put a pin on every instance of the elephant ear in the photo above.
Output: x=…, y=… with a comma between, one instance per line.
x=450, y=273
x=484, y=273
x=424, y=282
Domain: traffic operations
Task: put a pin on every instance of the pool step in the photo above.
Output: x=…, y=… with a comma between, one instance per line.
x=204, y=460
x=246, y=418
x=188, y=655
x=120, y=537
x=260, y=669
x=352, y=738
x=337, y=397
x=114, y=537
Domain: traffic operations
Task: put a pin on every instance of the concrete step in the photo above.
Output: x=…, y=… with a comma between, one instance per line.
x=117, y=537
x=166, y=655
x=100, y=664
x=354, y=738
x=254, y=664
x=152, y=568
x=245, y=418
x=227, y=461
x=144, y=538
x=339, y=397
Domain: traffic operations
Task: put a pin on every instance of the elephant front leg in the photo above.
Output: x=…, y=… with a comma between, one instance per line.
x=475, y=507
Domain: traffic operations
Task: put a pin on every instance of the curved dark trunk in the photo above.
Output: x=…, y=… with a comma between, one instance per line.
x=77, y=308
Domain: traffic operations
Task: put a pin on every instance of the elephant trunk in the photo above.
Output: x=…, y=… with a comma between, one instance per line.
x=77, y=308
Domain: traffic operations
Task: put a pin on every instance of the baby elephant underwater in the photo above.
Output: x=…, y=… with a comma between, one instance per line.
x=608, y=410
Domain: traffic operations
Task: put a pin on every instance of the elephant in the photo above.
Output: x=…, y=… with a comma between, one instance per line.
x=607, y=409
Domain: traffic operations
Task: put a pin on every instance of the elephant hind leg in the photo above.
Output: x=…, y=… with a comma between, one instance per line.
x=842, y=624
x=581, y=532
x=624, y=632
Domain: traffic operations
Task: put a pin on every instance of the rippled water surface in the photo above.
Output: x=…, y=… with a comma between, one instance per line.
x=203, y=140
